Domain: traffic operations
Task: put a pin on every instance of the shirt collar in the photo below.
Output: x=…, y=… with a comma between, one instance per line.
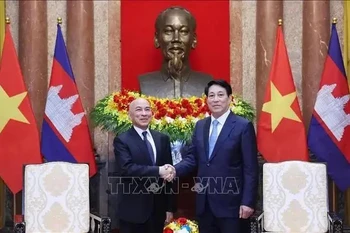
x=222, y=118
x=140, y=131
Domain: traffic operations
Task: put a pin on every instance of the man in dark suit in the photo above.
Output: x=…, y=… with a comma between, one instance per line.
x=225, y=153
x=145, y=199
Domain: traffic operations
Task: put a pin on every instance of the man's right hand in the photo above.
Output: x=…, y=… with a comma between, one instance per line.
x=167, y=172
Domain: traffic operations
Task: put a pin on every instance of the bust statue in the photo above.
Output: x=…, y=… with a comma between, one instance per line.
x=175, y=35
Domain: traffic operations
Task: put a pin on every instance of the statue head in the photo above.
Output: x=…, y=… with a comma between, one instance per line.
x=175, y=35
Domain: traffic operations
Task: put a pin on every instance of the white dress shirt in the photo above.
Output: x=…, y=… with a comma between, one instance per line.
x=221, y=121
x=149, y=138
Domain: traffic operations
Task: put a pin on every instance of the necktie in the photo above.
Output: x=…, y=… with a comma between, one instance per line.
x=213, y=137
x=148, y=145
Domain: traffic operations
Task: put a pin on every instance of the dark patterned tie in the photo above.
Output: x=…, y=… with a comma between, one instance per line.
x=148, y=145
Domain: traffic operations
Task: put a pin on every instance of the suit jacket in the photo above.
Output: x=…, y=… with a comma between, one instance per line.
x=141, y=191
x=230, y=177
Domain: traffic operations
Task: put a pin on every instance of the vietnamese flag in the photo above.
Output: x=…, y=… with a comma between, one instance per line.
x=19, y=136
x=280, y=130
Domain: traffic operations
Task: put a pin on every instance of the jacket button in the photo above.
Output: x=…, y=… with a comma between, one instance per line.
x=208, y=164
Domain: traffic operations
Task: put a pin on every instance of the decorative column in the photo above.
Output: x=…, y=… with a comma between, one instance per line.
x=114, y=84
x=80, y=46
x=32, y=53
x=236, y=63
x=268, y=13
x=316, y=31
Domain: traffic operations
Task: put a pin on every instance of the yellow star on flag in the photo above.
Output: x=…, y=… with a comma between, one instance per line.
x=280, y=107
x=9, y=108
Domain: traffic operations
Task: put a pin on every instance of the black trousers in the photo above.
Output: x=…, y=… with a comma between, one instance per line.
x=154, y=224
x=208, y=223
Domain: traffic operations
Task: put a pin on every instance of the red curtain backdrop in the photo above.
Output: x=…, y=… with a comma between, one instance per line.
x=138, y=54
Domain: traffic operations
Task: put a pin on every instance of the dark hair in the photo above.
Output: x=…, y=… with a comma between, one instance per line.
x=191, y=19
x=221, y=83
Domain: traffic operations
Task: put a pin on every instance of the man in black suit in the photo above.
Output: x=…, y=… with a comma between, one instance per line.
x=146, y=200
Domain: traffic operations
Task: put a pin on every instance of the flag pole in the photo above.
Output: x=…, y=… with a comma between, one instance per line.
x=347, y=206
x=280, y=22
x=2, y=183
x=59, y=20
x=334, y=188
x=347, y=71
x=14, y=208
x=334, y=198
x=8, y=21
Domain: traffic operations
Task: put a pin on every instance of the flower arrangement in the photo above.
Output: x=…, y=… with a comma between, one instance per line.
x=181, y=225
x=174, y=117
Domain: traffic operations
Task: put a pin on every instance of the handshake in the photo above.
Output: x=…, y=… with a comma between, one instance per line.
x=167, y=172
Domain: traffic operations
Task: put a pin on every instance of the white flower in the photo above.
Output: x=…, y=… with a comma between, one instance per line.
x=182, y=119
x=169, y=119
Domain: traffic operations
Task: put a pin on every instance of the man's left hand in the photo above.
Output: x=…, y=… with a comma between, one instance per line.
x=245, y=211
x=169, y=217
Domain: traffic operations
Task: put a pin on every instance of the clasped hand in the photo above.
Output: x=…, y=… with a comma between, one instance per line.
x=167, y=172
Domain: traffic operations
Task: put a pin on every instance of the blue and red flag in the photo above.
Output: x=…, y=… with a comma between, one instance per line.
x=329, y=132
x=65, y=131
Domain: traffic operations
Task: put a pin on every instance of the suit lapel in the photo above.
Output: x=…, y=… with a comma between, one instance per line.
x=225, y=132
x=157, y=142
x=206, y=136
x=140, y=143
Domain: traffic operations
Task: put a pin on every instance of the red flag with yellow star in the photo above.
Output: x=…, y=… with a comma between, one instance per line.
x=280, y=130
x=19, y=136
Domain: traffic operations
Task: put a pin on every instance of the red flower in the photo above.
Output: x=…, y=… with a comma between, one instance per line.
x=195, y=114
x=161, y=113
x=182, y=221
x=124, y=92
x=168, y=230
x=131, y=98
x=158, y=104
x=172, y=105
x=204, y=109
x=172, y=115
x=198, y=102
x=185, y=103
x=116, y=99
x=190, y=111
x=177, y=112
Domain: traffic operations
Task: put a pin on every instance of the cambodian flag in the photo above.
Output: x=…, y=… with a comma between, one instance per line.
x=65, y=131
x=329, y=132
